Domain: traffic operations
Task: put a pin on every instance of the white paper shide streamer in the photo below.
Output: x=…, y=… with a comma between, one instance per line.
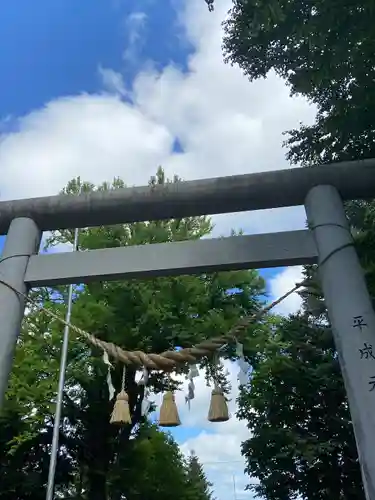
x=193, y=373
x=111, y=389
x=245, y=369
x=146, y=403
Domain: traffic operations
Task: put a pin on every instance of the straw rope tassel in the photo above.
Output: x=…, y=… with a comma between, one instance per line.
x=218, y=411
x=168, y=411
x=121, y=411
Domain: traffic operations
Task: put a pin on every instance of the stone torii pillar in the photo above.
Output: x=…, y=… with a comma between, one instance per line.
x=351, y=315
x=22, y=241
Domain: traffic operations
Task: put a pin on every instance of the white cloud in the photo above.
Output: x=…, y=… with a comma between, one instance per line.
x=97, y=137
x=112, y=81
x=283, y=282
x=134, y=26
x=222, y=461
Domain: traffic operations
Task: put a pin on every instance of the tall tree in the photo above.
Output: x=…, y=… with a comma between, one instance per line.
x=325, y=51
x=24, y=458
x=154, y=468
x=199, y=488
x=302, y=443
x=153, y=315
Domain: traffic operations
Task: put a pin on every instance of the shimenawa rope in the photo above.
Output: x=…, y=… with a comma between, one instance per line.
x=167, y=360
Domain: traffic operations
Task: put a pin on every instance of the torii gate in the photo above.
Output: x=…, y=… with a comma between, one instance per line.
x=328, y=242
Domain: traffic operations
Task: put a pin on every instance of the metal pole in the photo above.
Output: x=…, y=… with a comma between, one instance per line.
x=351, y=315
x=234, y=487
x=23, y=240
x=60, y=393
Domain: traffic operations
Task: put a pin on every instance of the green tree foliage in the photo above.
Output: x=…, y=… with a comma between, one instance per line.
x=23, y=471
x=155, y=468
x=325, y=51
x=199, y=488
x=302, y=443
x=153, y=315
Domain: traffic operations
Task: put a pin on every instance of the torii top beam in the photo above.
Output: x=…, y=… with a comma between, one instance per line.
x=280, y=188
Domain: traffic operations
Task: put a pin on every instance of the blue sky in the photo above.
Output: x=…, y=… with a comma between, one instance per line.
x=117, y=87
x=52, y=49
